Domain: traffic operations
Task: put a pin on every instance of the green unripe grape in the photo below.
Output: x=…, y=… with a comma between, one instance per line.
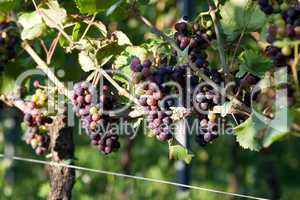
x=284, y=7
x=209, y=32
x=280, y=23
x=276, y=8
x=93, y=110
x=43, y=97
x=39, y=92
x=209, y=24
x=286, y=51
x=43, y=129
x=34, y=143
x=35, y=98
x=138, y=76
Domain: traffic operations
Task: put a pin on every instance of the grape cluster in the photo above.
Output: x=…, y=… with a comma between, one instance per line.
x=206, y=99
x=285, y=26
x=94, y=121
x=197, y=38
x=37, y=121
x=8, y=41
x=151, y=91
x=36, y=133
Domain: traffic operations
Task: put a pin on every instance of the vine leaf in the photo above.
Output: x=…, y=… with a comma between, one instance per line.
x=240, y=15
x=54, y=15
x=257, y=132
x=178, y=152
x=86, y=62
x=247, y=133
x=101, y=27
x=123, y=61
x=7, y=5
x=254, y=63
x=94, y=6
x=32, y=24
x=122, y=38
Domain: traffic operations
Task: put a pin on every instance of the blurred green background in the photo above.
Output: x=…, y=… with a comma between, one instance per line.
x=272, y=173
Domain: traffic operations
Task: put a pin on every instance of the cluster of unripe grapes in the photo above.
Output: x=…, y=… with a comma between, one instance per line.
x=93, y=120
x=37, y=121
x=196, y=38
x=206, y=99
x=8, y=41
x=285, y=26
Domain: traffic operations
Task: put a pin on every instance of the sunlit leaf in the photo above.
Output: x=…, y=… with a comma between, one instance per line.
x=32, y=24
x=54, y=15
x=86, y=62
x=239, y=16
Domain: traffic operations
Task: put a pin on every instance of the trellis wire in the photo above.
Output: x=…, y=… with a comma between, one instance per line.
x=128, y=176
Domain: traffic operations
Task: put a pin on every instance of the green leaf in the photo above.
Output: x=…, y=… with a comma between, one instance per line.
x=258, y=131
x=178, y=152
x=254, y=63
x=101, y=27
x=33, y=25
x=94, y=6
x=8, y=5
x=280, y=127
x=76, y=32
x=54, y=15
x=104, y=61
x=122, y=38
x=122, y=62
x=86, y=62
x=247, y=133
x=241, y=16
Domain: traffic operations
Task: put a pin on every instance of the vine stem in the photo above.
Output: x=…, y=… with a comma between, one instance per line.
x=44, y=67
x=88, y=27
x=13, y=101
x=156, y=31
x=121, y=90
x=237, y=48
x=220, y=44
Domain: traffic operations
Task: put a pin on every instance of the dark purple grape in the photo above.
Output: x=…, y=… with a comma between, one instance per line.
x=147, y=63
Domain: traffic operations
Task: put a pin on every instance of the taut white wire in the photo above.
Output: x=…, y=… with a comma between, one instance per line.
x=129, y=176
